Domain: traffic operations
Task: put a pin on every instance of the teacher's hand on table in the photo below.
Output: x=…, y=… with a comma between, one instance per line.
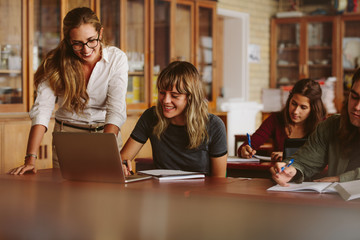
x=282, y=174
x=27, y=167
x=247, y=152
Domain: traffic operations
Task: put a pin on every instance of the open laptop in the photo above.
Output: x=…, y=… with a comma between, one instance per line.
x=91, y=157
x=291, y=145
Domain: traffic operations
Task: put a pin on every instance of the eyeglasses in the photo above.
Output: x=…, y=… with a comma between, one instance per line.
x=92, y=43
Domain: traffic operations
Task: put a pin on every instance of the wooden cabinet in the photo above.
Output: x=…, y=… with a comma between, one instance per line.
x=157, y=32
x=316, y=47
x=13, y=141
x=350, y=50
x=13, y=52
x=31, y=29
x=305, y=47
x=152, y=33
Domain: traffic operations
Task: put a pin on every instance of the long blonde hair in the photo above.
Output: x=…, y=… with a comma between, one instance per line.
x=185, y=77
x=63, y=69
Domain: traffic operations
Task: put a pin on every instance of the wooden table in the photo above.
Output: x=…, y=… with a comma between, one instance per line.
x=44, y=206
x=250, y=169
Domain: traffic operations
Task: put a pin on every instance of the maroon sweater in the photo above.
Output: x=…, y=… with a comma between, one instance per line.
x=272, y=127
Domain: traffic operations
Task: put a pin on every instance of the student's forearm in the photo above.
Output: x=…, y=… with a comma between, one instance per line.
x=130, y=149
x=218, y=168
x=111, y=128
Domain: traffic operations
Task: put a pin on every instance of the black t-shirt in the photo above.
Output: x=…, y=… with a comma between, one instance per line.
x=171, y=152
x=354, y=157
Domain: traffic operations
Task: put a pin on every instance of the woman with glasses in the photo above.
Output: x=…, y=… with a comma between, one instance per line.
x=88, y=81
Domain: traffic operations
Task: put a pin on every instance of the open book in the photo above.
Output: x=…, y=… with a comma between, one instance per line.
x=255, y=159
x=321, y=187
x=262, y=158
x=349, y=190
x=168, y=174
x=232, y=159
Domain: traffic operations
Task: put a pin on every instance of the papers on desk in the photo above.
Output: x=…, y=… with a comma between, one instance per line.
x=232, y=159
x=321, y=187
x=349, y=190
x=168, y=174
x=255, y=159
x=263, y=158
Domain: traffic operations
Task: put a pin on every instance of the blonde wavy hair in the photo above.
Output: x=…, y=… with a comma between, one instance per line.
x=185, y=77
x=63, y=69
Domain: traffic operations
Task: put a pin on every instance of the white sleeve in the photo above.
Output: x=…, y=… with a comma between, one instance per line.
x=116, y=95
x=41, y=111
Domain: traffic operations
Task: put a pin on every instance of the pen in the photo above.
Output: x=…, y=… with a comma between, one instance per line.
x=289, y=164
x=126, y=164
x=249, y=139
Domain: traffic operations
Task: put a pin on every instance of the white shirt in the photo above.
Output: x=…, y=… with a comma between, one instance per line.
x=106, y=89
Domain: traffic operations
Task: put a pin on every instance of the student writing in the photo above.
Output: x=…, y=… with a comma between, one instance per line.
x=304, y=109
x=335, y=142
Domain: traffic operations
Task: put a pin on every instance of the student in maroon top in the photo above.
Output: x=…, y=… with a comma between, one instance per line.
x=304, y=109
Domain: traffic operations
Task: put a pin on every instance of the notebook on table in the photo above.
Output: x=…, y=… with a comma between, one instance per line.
x=170, y=174
x=91, y=157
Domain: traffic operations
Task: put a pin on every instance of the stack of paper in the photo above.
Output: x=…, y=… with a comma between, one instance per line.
x=168, y=174
x=321, y=187
x=232, y=159
x=349, y=190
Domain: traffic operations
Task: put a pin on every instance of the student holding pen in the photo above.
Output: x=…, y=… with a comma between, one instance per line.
x=304, y=109
x=335, y=142
x=183, y=134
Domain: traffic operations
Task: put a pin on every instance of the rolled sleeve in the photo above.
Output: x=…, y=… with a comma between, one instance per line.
x=43, y=107
x=350, y=175
x=116, y=95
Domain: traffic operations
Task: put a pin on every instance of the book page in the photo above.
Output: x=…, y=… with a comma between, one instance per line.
x=233, y=159
x=303, y=187
x=349, y=190
x=181, y=177
x=263, y=158
x=166, y=172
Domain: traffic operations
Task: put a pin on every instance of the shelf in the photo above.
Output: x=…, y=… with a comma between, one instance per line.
x=289, y=49
x=350, y=70
x=7, y=71
x=320, y=65
x=288, y=66
x=328, y=48
x=136, y=73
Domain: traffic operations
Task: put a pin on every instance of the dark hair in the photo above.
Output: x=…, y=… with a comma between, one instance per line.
x=347, y=131
x=312, y=90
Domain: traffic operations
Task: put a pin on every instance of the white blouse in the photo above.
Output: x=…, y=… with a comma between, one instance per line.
x=106, y=89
